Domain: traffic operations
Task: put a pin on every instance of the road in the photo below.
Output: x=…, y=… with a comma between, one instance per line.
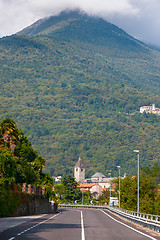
x=78, y=224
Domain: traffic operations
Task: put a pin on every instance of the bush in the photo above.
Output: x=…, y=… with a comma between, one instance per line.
x=9, y=200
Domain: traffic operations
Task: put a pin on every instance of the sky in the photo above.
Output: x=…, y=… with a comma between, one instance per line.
x=139, y=18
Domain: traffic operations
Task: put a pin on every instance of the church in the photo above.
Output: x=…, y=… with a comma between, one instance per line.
x=96, y=184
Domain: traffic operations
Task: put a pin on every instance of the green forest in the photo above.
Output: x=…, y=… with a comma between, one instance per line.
x=19, y=163
x=75, y=84
x=149, y=196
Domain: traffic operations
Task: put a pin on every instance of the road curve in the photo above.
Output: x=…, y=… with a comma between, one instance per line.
x=78, y=224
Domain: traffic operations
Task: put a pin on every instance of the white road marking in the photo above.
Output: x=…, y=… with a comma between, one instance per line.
x=82, y=226
x=129, y=226
x=35, y=226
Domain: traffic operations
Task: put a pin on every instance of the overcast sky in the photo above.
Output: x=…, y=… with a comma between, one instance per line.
x=140, y=18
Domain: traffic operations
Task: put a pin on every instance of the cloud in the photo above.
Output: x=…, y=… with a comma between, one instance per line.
x=140, y=18
x=145, y=25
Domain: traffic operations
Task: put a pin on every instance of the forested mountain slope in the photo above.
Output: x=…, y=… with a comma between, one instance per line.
x=74, y=84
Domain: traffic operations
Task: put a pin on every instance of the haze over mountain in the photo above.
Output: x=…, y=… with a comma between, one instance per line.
x=75, y=84
x=139, y=18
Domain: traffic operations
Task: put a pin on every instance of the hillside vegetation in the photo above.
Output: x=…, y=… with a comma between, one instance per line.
x=75, y=84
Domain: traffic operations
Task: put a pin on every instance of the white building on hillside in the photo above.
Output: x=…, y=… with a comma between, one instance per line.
x=150, y=109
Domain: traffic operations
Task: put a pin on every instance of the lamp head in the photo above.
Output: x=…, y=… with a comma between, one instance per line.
x=136, y=151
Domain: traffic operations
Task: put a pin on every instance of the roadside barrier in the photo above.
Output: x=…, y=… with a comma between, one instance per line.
x=146, y=220
x=28, y=188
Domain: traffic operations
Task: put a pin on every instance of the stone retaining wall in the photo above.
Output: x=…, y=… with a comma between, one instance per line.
x=33, y=205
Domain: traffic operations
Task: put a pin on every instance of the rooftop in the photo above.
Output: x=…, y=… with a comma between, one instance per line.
x=98, y=175
x=79, y=163
x=86, y=185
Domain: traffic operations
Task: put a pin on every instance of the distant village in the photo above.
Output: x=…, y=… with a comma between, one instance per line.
x=99, y=182
x=150, y=109
x=96, y=184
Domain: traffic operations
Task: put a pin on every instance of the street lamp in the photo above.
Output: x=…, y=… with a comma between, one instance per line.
x=137, y=151
x=119, y=167
x=110, y=183
x=82, y=196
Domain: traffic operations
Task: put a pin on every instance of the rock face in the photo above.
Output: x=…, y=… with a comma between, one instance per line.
x=6, y=137
x=12, y=146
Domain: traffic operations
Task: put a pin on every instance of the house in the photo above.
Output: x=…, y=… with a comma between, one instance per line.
x=102, y=180
x=150, y=109
x=94, y=188
x=57, y=179
x=96, y=184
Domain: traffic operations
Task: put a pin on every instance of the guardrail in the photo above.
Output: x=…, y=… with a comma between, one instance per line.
x=146, y=220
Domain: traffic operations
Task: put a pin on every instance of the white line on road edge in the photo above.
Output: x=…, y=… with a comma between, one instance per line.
x=129, y=226
x=28, y=229
x=82, y=226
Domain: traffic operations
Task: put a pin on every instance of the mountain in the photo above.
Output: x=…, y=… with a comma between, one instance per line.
x=74, y=84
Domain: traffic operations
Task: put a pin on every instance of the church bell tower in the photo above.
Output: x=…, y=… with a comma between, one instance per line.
x=79, y=171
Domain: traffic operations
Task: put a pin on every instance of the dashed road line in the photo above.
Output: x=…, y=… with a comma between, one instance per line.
x=28, y=229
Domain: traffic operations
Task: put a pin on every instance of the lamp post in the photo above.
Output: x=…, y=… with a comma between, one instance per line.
x=110, y=183
x=82, y=192
x=137, y=151
x=119, y=168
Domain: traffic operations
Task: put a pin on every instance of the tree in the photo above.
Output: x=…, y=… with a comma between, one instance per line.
x=9, y=133
x=8, y=126
x=38, y=165
x=25, y=151
x=71, y=191
x=104, y=198
x=47, y=182
x=87, y=197
x=147, y=193
x=59, y=190
x=25, y=172
x=154, y=172
x=7, y=167
x=19, y=162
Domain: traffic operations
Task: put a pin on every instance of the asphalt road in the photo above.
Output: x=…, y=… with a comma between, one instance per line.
x=77, y=224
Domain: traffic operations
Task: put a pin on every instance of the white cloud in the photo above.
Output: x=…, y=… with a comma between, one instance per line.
x=145, y=26
x=140, y=18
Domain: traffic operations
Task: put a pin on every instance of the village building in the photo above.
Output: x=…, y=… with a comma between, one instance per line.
x=102, y=180
x=79, y=171
x=150, y=109
x=57, y=179
x=96, y=184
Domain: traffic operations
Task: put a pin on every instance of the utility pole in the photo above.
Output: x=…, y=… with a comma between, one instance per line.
x=110, y=183
x=119, y=167
x=137, y=151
